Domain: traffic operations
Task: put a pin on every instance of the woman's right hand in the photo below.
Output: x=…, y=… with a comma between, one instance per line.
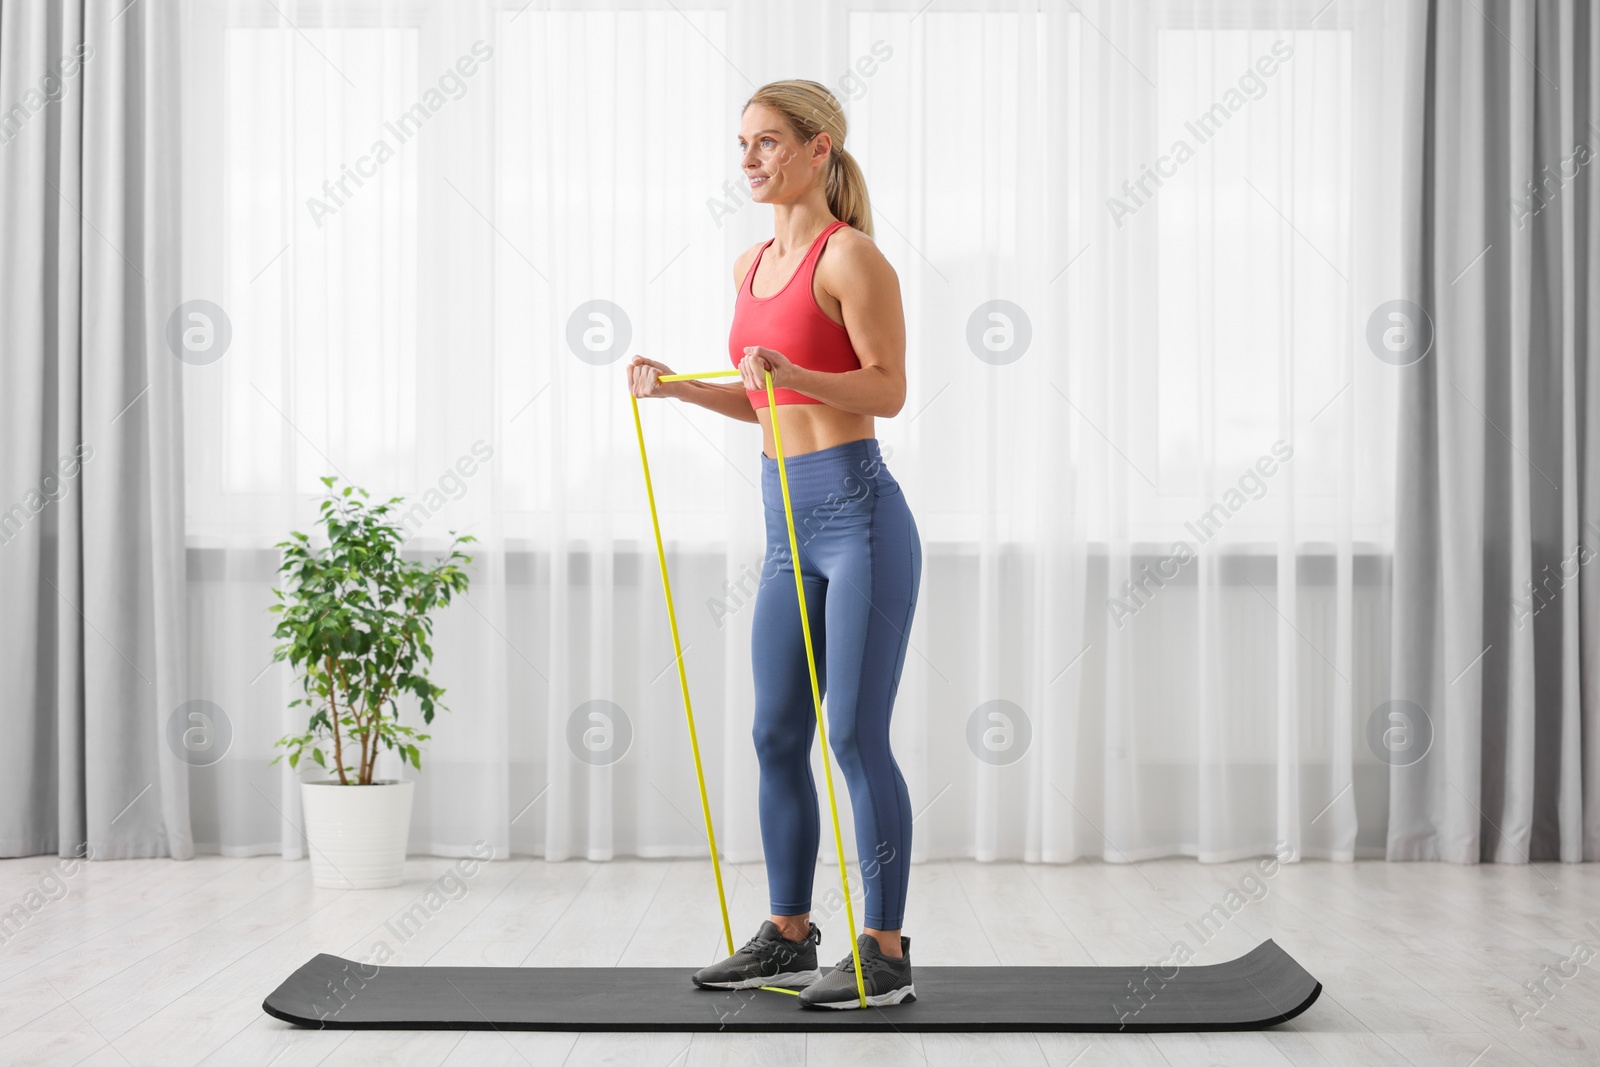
x=644, y=375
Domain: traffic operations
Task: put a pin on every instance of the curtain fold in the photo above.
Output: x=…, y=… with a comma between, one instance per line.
x=1226, y=425
x=1496, y=515
x=92, y=643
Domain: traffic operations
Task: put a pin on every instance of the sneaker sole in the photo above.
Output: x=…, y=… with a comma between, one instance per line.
x=789, y=980
x=894, y=996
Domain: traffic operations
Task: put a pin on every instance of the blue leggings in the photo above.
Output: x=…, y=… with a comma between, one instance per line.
x=861, y=564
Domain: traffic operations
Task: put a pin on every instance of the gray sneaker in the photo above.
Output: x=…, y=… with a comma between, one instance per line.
x=887, y=980
x=766, y=959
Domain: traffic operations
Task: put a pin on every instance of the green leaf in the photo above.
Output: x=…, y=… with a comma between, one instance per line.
x=355, y=621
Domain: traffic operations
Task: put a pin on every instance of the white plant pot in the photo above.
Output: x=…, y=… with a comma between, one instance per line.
x=357, y=833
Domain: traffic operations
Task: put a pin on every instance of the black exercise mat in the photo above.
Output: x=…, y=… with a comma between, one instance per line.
x=1259, y=989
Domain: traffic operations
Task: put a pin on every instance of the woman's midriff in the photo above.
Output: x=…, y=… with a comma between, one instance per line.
x=810, y=427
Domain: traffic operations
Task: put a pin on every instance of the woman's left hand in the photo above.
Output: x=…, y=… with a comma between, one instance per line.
x=757, y=360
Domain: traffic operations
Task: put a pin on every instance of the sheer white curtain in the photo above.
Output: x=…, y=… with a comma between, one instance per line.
x=438, y=230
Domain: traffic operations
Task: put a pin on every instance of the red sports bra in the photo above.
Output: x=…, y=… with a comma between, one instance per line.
x=791, y=322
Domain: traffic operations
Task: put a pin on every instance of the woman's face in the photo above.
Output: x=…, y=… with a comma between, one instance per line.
x=777, y=166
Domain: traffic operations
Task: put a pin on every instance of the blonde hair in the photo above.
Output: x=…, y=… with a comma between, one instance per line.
x=810, y=108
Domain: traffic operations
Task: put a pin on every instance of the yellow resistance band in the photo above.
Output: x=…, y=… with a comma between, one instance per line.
x=811, y=662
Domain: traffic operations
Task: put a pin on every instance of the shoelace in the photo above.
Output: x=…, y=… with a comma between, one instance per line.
x=874, y=965
x=759, y=944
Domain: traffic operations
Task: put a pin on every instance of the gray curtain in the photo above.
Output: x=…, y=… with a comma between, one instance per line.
x=1496, y=647
x=91, y=517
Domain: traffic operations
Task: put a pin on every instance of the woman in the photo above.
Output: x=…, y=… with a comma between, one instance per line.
x=819, y=307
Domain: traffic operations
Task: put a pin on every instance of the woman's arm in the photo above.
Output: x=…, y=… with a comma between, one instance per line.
x=729, y=400
x=644, y=380
x=868, y=391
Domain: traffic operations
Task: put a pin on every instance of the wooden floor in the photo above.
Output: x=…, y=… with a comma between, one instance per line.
x=157, y=962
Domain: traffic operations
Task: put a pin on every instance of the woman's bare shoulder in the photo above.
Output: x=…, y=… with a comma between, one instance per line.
x=852, y=257
x=742, y=264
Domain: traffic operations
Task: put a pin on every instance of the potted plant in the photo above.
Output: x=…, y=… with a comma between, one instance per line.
x=354, y=623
